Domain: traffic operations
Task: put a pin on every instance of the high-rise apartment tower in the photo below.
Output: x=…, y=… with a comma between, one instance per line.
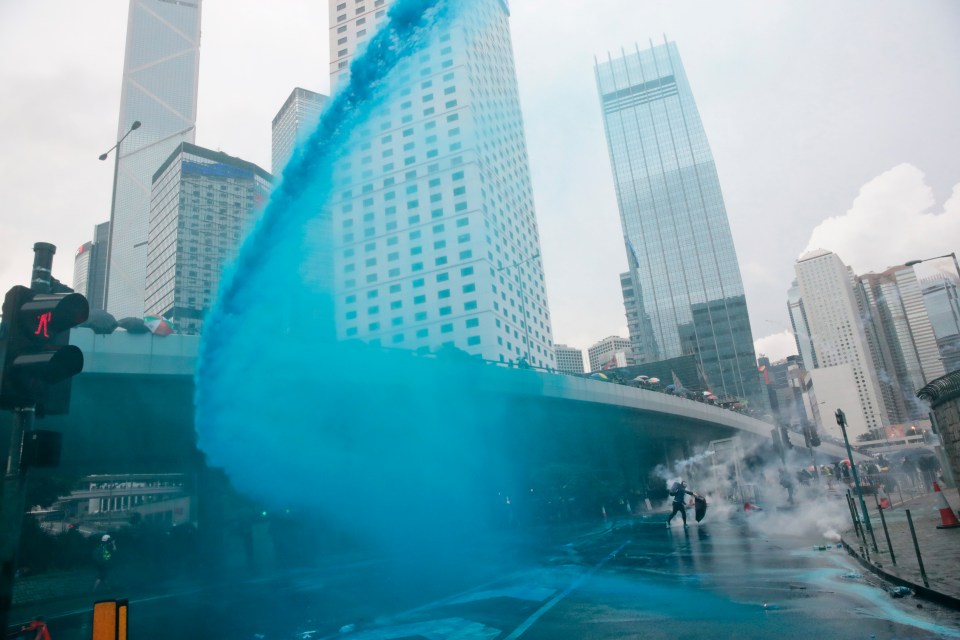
x=160, y=74
x=687, y=294
x=435, y=238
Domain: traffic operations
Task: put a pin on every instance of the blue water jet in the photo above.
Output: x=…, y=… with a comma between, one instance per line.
x=302, y=422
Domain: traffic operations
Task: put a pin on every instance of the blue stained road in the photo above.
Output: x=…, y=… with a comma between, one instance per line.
x=641, y=580
x=634, y=578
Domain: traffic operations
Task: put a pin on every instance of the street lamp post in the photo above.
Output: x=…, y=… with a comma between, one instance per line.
x=523, y=301
x=956, y=264
x=113, y=203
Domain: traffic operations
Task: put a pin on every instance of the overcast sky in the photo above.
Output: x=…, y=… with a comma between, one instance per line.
x=833, y=124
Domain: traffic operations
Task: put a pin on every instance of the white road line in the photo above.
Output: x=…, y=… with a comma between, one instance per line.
x=519, y=631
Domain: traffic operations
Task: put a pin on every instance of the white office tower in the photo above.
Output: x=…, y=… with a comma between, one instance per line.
x=160, y=75
x=293, y=124
x=204, y=203
x=902, y=339
x=844, y=377
x=569, y=359
x=609, y=353
x=435, y=238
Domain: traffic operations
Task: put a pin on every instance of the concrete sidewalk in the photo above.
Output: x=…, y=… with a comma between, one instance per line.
x=939, y=548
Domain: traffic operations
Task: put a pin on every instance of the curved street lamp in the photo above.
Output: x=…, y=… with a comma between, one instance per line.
x=956, y=264
x=113, y=203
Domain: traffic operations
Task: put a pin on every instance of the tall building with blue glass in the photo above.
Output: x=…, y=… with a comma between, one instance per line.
x=687, y=294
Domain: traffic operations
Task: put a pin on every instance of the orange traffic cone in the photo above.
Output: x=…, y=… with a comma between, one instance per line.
x=883, y=498
x=946, y=513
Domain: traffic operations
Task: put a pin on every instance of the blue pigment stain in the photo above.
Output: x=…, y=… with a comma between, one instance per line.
x=302, y=422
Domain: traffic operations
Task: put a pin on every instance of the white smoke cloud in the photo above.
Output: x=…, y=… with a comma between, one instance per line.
x=891, y=221
x=805, y=509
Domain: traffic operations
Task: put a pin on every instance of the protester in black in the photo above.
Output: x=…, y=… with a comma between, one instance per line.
x=679, y=492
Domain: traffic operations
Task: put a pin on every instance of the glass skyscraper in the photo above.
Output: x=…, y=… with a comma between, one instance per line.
x=901, y=338
x=687, y=294
x=434, y=233
x=160, y=75
x=90, y=266
x=942, y=299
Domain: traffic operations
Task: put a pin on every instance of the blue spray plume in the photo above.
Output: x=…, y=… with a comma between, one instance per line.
x=325, y=429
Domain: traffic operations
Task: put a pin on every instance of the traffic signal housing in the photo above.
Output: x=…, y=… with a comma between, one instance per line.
x=785, y=437
x=777, y=444
x=38, y=361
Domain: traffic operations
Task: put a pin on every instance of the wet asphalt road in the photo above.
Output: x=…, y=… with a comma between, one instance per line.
x=635, y=579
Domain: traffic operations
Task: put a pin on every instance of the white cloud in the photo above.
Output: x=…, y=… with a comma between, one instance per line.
x=891, y=221
x=776, y=346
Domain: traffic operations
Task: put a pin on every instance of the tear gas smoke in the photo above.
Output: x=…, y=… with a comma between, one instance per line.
x=751, y=472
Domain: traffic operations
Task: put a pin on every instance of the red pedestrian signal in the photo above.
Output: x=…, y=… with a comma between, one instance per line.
x=43, y=325
x=37, y=359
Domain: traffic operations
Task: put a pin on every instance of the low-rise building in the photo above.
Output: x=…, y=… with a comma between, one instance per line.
x=603, y=353
x=569, y=359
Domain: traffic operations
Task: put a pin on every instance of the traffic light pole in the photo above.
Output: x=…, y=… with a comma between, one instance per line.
x=49, y=317
x=11, y=510
x=842, y=422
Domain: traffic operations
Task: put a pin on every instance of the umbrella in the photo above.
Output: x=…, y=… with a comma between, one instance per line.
x=641, y=378
x=670, y=387
x=708, y=393
x=598, y=376
x=158, y=325
x=133, y=325
x=654, y=380
x=913, y=454
x=100, y=321
x=699, y=507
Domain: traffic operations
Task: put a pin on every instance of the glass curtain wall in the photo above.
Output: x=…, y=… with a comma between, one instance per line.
x=687, y=286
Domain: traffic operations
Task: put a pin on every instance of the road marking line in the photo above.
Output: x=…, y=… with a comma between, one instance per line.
x=519, y=631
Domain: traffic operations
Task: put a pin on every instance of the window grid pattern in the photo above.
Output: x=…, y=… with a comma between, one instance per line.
x=433, y=207
x=686, y=293
x=203, y=205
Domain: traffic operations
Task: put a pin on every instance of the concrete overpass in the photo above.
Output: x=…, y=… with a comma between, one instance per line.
x=482, y=429
x=138, y=389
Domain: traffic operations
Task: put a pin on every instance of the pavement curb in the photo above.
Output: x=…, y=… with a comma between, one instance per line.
x=918, y=589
